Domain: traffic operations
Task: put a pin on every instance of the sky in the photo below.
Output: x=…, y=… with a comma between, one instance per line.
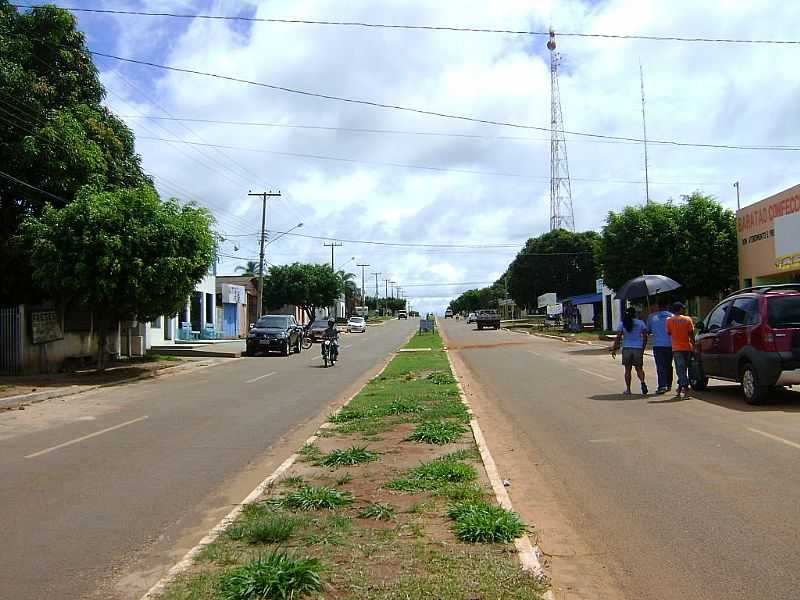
x=421, y=179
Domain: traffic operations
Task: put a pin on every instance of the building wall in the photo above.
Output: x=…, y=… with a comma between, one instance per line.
x=764, y=226
x=167, y=332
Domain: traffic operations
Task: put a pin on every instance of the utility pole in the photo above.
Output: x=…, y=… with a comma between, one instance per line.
x=644, y=130
x=386, y=293
x=377, y=307
x=363, y=266
x=332, y=245
x=263, y=196
x=738, y=205
x=392, y=284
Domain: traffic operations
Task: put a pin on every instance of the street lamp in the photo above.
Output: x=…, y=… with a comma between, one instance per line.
x=285, y=233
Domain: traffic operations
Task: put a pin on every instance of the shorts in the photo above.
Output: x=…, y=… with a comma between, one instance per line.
x=633, y=357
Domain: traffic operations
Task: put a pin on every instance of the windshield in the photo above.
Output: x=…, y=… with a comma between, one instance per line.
x=784, y=311
x=272, y=322
x=320, y=323
x=356, y=319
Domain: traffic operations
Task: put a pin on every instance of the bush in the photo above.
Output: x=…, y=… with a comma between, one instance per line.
x=276, y=575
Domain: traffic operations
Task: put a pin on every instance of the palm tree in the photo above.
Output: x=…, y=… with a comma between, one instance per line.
x=250, y=269
x=349, y=283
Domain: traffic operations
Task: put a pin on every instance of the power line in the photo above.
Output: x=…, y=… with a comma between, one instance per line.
x=363, y=24
x=33, y=187
x=413, y=166
x=420, y=111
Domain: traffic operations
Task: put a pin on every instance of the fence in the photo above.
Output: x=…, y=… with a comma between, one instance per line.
x=10, y=340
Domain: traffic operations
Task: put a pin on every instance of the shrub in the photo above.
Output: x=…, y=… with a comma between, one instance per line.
x=276, y=575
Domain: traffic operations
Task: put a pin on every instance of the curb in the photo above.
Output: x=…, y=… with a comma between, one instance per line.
x=12, y=402
x=219, y=528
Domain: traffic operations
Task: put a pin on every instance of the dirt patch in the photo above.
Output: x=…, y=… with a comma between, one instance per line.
x=479, y=346
x=576, y=570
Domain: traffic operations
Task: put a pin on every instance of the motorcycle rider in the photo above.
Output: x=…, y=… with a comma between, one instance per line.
x=332, y=334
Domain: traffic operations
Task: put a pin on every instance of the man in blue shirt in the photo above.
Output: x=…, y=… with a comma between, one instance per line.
x=662, y=346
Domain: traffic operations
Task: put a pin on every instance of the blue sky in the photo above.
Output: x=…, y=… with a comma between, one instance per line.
x=491, y=189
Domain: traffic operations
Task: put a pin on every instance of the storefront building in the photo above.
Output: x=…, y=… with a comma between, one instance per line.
x=769, y=240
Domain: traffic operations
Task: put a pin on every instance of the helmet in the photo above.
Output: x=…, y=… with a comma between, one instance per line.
x=331, y=322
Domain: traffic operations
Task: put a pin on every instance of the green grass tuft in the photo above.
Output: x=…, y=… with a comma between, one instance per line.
x=310, y=453
x=317, y=498
x=433, y=475
x=276, y=575
x=437, y=432
x=263, y=529
x=441, y=378
x=350, y=456
x=456, y=492
x=484, y=523
x=378, y=511
x=293, y=481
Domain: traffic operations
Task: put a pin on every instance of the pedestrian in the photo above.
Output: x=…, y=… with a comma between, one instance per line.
x=662, y=346
x=632, y=334
x=681, y=331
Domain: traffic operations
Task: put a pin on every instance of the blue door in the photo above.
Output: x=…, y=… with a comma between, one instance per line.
x=230, y=320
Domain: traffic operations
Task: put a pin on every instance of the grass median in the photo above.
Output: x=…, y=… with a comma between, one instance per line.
x=391, y=502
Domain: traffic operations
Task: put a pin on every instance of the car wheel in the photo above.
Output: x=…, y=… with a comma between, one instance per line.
x=249, y=353
x=285, y=349
x=754, y=392
x=697, y=378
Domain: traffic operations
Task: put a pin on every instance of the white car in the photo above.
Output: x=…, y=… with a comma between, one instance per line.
x=356, y=324
x=472, y=318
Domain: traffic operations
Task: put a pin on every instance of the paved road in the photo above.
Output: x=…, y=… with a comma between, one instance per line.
x=697, y=499
x=87, y=485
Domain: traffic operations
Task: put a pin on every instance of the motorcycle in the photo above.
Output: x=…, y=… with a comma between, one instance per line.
x=330, y=352
x=308, y=339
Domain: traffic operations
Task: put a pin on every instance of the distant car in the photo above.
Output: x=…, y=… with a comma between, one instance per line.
x=448, y=314
x=356, y=324
x=317, y=328
x=279, y=333
x=751, y=337
x=401, y=314
x=472, y=318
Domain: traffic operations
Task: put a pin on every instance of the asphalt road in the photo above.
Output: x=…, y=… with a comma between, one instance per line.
x=695, y=499
x=88, y=486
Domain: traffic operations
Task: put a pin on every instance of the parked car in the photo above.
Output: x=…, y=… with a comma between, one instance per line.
x=448, y=314
x=751, y=337
x=270, y=333
x=472, y=318
x=356, y=324
x=401, y=314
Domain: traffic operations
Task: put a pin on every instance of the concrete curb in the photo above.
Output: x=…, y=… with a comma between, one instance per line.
x=188, y=558
x=12, y=402
x=527, y=552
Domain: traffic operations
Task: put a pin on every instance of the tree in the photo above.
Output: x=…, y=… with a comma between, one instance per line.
x=306, y=285
x=693, y=242
x=54, y=132
x=348, y=284
x=476, y=299
x=559, y=261
x=250, y=269
x=121, y=254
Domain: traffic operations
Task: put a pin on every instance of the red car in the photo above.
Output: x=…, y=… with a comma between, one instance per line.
x=751, y=337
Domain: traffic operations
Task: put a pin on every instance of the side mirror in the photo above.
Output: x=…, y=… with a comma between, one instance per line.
x=252, y=325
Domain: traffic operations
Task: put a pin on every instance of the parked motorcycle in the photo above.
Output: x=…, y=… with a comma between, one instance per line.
x=330, y=352
x=308, y=339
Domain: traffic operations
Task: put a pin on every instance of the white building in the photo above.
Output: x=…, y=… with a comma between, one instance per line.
x=197, y=320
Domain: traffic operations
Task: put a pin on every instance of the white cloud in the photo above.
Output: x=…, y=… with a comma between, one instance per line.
x=695, y=92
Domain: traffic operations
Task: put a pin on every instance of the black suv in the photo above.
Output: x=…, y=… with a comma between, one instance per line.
x=279, y=333
x=752, y=337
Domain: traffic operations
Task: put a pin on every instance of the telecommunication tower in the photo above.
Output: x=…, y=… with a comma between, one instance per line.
x=561, y=213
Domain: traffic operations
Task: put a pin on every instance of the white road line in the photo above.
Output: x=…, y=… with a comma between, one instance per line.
x=775, y=437
x=346, y=347
x=254, y=379
x=86, y=437
x=601, y=376
x=535, y=353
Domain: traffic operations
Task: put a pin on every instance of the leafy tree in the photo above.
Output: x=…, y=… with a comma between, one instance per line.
x=559, y=261
x=54, y=133
x=693, y=242
x=250, y=269
x=476, y=299
x=306, y=285
x=392, y=304
x=121, y=254
x=349, y=284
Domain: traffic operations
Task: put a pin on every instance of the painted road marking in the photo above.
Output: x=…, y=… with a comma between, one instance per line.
x=775, y=437
x=260, y=377
x=596, y=374
x=86, y=437
x=535, y=353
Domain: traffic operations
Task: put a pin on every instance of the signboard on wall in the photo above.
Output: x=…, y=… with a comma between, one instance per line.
x=45, y=326
x=546, y=299
x=233, y=294
x=787, y=242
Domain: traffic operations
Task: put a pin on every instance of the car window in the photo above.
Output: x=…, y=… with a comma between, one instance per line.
x=744, y=311
x=320, y=323
x=272, y=322
x=784, y=311
x=717, y=318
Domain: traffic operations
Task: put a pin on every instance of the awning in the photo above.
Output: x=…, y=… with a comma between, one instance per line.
x=584, y=299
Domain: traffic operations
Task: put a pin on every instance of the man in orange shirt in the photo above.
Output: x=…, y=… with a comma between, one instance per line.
x=681, y=330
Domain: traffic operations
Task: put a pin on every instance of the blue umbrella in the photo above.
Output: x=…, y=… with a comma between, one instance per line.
x=647, y=285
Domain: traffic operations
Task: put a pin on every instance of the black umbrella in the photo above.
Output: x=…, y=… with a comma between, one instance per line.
x=647, y=285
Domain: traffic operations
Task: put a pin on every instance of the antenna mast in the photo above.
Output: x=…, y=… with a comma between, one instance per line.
x=561, y=213
x=644, y=129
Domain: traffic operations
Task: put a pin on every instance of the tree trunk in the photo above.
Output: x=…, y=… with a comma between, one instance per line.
x=102, y=335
